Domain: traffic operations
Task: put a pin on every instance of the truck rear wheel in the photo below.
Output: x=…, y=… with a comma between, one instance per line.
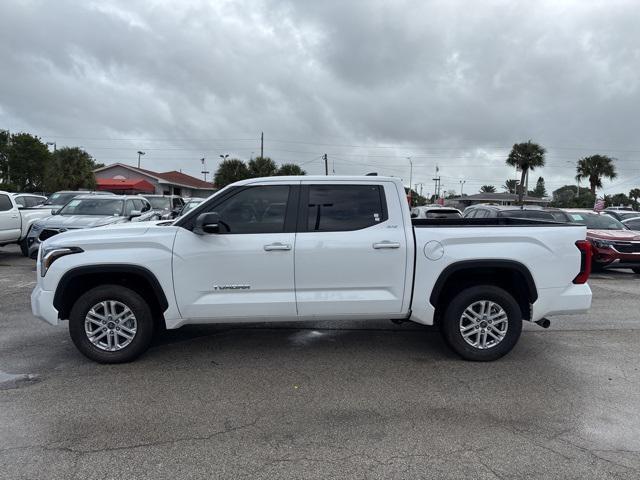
x=482, y=323
x=111, y=324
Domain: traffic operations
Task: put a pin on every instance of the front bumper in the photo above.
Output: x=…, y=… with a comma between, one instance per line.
x=42, y=305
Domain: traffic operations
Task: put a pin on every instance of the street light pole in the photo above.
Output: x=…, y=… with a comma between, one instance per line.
x=224, y=157
x=140, y=153
x=462, y=182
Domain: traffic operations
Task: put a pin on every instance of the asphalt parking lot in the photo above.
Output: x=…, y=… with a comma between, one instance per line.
x=338, y=400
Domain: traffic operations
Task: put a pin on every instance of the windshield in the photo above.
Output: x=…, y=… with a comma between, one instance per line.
x=595, y=221
x=443, y=214
x=94, y=206
x=536, y=214
x=190, y=206
x=160, y=203
x=60, y=198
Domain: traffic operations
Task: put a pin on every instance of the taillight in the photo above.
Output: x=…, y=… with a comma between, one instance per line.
x=585, y=262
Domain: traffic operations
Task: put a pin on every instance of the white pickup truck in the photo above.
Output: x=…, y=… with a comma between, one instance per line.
x=311, y=248
x=15, y=220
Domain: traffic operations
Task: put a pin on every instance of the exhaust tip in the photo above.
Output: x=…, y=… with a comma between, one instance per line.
x=544, y=322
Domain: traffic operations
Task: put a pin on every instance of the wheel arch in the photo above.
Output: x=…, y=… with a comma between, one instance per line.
x=510, y=275
x=79, y=280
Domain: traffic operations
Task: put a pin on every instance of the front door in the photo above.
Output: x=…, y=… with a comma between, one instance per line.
x=351, y=250
x=10, y=223
x=245, y=270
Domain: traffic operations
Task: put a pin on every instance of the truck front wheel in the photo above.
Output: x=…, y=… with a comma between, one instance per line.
x=482, y=323
x=111, y=324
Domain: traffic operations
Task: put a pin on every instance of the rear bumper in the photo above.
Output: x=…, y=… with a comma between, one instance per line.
x=42, y=305
x=562, y=301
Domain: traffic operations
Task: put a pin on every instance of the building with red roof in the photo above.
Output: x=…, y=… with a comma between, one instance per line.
x=123, y=178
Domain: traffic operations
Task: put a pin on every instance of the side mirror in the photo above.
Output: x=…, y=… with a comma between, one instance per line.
x=207, y=223
x=55, y=211
x=135, y=213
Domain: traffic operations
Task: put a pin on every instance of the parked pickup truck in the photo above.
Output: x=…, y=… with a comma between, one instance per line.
x=15, y=220
x=311, y=248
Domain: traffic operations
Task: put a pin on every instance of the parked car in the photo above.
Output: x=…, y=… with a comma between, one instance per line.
x=15, y=221
x=621, y=214
x=28, y=200
x=512, y=211
x=60, y=199
x=88, y=211
x=358, y=255
x=632, y=223
x=190, y=204
x=435, y=211
x=166, y=206
x=614, y=245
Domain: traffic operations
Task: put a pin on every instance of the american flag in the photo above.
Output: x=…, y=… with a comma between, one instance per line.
x=599, y=205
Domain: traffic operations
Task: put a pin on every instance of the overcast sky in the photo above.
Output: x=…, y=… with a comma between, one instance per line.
x=367, y=82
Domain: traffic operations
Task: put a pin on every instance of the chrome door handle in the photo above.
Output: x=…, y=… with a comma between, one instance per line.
x=386, y=244
x=14, y=216
x=277, y=246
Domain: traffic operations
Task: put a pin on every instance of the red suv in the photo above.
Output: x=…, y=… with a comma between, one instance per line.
x=614, y=245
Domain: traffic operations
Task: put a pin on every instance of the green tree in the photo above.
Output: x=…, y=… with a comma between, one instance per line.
x=71, y=169
x=262, y=167
x=487, y=189
x=525, y=156
x=595, y=168
x=568, y=197
x=290, y=169
x=28, y=160
x=4, y=161
x=511, y=186
x=229, y=171
x=634, y=193
x=540, y=190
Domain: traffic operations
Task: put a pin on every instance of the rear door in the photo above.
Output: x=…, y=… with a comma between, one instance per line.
x=351, y=250
x=245, y=270
x=10, y=222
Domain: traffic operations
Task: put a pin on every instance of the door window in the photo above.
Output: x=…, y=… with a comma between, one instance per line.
x=5, y=203
x=340, y=208
x=128, y=208
x=21, y=201
x=259, y=209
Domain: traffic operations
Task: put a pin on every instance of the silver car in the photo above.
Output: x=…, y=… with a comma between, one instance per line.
x=88, y=211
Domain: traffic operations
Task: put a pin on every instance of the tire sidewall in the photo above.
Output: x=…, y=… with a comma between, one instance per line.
x=451, y=325
x=131, y=299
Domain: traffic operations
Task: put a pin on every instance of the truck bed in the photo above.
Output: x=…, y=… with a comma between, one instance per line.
x=488, y=222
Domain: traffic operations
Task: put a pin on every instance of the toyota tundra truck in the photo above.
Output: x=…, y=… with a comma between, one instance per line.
x=308, y=249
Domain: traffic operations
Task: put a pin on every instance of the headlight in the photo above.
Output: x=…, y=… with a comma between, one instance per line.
x=48, y=255
x=602, y=243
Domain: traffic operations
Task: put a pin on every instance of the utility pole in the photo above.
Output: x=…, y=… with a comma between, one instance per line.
x=204, y=171
x=261, y=144
x=326, y=164
x=139, y=154
x=410, y=180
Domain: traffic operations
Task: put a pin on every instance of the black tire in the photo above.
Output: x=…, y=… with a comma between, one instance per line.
x=139, y=307
x=24, y=247
x=636, y=270
x=598, y=267
x=450, y=325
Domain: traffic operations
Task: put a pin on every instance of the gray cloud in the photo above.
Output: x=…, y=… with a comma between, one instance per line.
x=452, y=83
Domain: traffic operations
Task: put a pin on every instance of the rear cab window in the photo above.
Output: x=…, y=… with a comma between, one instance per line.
x=342, y=208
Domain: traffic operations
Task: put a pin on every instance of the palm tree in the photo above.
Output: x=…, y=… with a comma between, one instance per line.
x=488, y=189
x=595, y=168
x=634, y=193
x=525, y=156
x=511, y=185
